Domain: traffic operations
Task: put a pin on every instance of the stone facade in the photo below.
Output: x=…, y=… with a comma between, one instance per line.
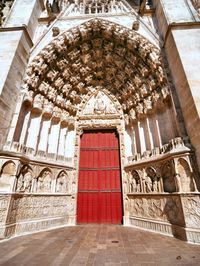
x=72, y=66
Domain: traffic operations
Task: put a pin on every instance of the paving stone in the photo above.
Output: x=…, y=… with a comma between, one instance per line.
x=94, y=245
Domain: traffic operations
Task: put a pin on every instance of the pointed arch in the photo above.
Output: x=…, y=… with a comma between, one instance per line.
x=44, y=181
x=25, y=178
x=187, y=182
x=8, y=168
x=62, y=182
x=97, y=52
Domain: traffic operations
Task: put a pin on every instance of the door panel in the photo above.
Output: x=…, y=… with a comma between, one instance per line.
x=99, y=186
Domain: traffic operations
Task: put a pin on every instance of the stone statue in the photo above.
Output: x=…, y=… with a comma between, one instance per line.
x=99, y=105
x=62, y=183
x=24, y=182
x=148, y=184
x=155, y=185
x=133, y=185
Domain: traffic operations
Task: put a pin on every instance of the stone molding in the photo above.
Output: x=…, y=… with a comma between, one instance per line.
x=19, y=28
x=179, y=25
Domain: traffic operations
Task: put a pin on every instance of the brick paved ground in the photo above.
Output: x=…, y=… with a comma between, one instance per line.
x=97, y=245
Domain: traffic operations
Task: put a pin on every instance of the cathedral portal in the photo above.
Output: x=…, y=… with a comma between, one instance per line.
x=104, y=77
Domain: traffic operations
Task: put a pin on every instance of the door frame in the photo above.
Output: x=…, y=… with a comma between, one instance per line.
x=120, y=172
x=117, y=124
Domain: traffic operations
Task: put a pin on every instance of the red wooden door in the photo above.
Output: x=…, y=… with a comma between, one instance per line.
x=99, y=186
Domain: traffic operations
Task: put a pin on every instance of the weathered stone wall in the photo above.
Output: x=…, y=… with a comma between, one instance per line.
x=4, y=206
x=179, y=26
x=24, y=213
x=176, y=215
x=16, y=42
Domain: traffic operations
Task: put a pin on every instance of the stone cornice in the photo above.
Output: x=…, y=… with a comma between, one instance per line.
x=19, y=28
x=158, y=158
x=39, y=161
x=180, y=25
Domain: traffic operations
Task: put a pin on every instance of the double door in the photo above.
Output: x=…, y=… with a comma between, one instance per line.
x=99, y=185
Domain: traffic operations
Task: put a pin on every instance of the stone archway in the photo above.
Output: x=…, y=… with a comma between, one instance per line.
x=98, y=53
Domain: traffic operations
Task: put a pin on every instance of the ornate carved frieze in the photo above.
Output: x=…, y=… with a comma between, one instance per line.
x=174, y=145
x=163, y=208
x=45, y=211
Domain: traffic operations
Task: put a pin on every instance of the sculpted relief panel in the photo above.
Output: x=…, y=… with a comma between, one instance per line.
x=191, y=205
x=4, y=205
x=169, y=176
x=99, y=104
x=166, y=209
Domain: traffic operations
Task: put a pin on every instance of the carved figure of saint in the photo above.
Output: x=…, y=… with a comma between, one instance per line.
x=62, y=184
x=125, y=187
x=133, y=185
x=47, y=184
x=27, y=182
x=40, y=187
x=99, y=105
x=148, y=184
x=20, y=183
x=138, y=188
x=155, y=186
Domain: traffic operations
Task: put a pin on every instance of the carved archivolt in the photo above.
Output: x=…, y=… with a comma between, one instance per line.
x=97, y=53
x=196, y=4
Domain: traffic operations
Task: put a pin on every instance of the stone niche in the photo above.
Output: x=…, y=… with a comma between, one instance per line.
x=33, y=212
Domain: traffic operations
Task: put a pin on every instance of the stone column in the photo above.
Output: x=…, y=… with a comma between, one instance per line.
x=134, y=140
x=61, y=146
x=157, y=131
x=137, y=137
x=148, y=134
x=153, y=131
x=54, y=137
x=14, y=122
x=46, y=123
x=128, y=142
x=25, y=127
x=34, y=128
x=70, y=144
x=142, y=136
